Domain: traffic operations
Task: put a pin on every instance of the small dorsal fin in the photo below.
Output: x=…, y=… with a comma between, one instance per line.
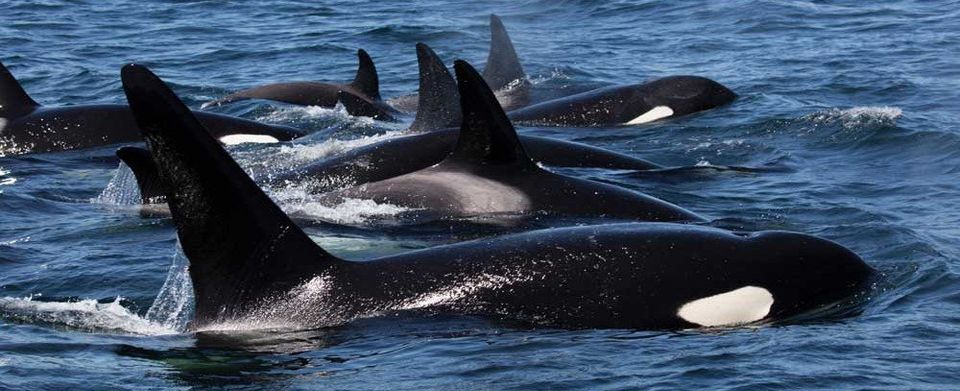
x=360, y=107
x=366, y=80
x=140, y=162
x=438, y=101
x=242, y=248
x=14, y=101
x=486, y=135
x=503, y=66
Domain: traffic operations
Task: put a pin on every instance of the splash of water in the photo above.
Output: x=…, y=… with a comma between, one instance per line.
x=87, y=315
x=173, y=306
x=121, y=190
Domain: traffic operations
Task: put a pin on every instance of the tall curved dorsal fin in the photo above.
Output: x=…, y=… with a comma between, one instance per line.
x=486, y=136
x=503, y=66
x=366, y=80
x=14, y=101
x=242, y=248
x=145, y=171
x=438, y=101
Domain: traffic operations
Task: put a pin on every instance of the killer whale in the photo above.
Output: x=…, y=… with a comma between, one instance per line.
x=28, y=127
x=403, y=155
x=365, y=86
x=250, y=263
x=490, y=173
x=634, y=104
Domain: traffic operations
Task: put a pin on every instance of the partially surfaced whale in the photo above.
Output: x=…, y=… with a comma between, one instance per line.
x=249, y=262
x=439, y=109
x=403, y=155
x=489, y=173
x=365, y=86
x=27, y=127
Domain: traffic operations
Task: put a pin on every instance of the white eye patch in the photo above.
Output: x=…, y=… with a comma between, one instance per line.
x=739, y=306
x=654, y=114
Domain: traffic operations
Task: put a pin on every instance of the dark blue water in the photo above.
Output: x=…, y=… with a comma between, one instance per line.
x=847, y=109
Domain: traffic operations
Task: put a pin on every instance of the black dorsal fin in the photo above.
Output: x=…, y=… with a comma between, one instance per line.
x=438, y=101
x=503, y=66
x=366, y=80
x=14, y=101
x=358, y=106
x=242, y=248
x=486, y=135
x=148, y=180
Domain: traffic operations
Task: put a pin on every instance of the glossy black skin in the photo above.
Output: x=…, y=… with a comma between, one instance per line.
x=608, y=276
x=47, y=129
x=437, y=193
x=618, y=105
x=489, y=174
x=308, y=93
x=305, y=93
x=248, y=259
x=403, y=155
x=365, y=88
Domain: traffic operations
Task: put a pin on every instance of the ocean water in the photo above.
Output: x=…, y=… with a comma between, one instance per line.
x=847, y=118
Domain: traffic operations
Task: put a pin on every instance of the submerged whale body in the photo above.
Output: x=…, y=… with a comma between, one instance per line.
x=27, y=127
x=248, y=261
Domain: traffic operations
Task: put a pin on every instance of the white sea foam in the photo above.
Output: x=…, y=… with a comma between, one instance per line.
x=350, y=211
x=298, y=113
x=88, y=315
x=858, y=116
x=312, y=152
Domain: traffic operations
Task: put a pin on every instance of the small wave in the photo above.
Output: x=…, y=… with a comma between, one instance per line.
x=555, y=74
x=88, y=315
x=858, y=116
